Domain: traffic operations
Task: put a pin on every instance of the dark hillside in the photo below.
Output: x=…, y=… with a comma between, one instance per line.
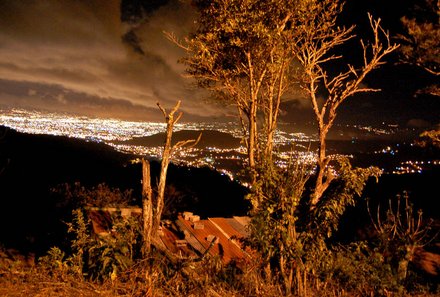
x=210, y=138
x=203, y=191
x=30, y=165
x=422, y=190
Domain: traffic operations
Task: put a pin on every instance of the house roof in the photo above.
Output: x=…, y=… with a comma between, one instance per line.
x=189, y=236
x=225, y=232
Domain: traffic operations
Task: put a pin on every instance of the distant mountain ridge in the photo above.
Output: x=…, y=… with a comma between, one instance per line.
x=210, y=138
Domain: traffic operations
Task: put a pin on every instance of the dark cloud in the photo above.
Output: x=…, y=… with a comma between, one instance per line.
x=56, y=98
x=75, y=51
x=135, y=11
x=111, y=58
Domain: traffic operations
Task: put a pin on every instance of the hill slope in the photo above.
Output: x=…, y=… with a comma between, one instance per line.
x=210, y=138
x=30, y=165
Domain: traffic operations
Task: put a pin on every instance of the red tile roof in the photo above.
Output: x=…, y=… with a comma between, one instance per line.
x=226, y=247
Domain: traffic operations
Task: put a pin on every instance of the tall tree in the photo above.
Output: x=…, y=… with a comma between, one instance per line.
x=245, y=51
x=319, y=40
x=242, y=51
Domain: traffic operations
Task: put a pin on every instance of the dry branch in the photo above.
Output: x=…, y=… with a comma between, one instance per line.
x=313, y=57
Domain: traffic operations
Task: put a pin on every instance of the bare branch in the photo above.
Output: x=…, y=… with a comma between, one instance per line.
x=178, y=117
x=170, y=116
x=162, y=109
x=190, y=143
x=173, y=38
x=175, y=108
x=320, y=41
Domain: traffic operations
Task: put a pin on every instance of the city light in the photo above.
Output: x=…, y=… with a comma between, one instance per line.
x=116, y=132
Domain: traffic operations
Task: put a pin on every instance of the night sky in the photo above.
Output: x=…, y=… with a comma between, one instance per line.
x=111, y=59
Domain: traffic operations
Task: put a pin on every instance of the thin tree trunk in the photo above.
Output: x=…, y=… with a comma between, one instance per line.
x=324, y=175
x=163, y=174
x=274, y=101
x=252, y=138
x=166, y=155
x=147, y=206
x=321, y=169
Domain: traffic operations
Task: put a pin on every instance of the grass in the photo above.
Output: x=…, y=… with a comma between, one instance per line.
x=21, y=276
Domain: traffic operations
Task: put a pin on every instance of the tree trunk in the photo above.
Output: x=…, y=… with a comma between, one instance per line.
x=147, y=206
x=252, y=139
x=322, y=179
x=163, y=174
x=166, y=155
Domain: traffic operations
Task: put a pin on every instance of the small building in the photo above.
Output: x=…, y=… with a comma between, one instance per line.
x=188, y=236
x=216, y=236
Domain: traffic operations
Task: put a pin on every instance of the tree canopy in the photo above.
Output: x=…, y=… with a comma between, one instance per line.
x=242, y=50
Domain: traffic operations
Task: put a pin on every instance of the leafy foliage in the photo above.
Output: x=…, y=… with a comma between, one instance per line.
x=289, y=235
x=55, y=263
x=243, y=52
x=420, y=43
x=108, y=256
x=360, y=270
x=273, y=226
x=96, y=257
x=343, y=193
x=102, y=195
x=228, y=30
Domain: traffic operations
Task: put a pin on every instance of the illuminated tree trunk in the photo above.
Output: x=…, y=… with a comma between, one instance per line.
x=170, y=120
x=166, y=156
x=324, y=176
x=271, y=108
x=163, y=175
x=147, y=206
x=252, y=138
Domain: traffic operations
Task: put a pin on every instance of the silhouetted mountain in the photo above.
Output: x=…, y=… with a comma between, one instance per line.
x=30, y=165
x=210, y=138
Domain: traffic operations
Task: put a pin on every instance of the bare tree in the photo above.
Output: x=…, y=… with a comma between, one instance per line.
x=152, y=207
x=166, y=154
x=171, y=119
x=321, y=36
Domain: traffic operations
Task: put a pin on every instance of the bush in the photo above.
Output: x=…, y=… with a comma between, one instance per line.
x=76, y=196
